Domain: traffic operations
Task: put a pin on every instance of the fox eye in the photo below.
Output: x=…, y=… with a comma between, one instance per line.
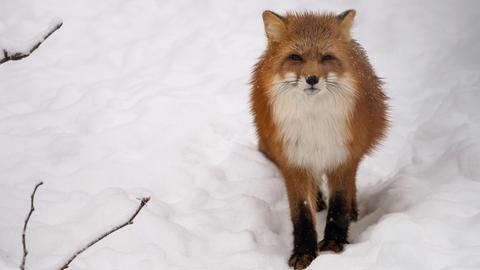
x=295, y=57
x=327, y=57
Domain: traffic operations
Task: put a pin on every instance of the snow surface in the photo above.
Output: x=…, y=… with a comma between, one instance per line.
x=136, y=98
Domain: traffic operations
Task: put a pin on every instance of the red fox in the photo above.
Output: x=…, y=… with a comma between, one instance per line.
x=318, y=109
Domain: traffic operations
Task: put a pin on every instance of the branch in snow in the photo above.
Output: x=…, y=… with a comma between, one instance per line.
x=143, y=202
x=7, y=56
x=32, y=208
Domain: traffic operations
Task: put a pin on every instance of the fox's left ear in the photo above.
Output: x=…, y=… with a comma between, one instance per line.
x=346, y=21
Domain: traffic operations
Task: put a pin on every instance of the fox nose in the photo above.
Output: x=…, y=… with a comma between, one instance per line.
x=312, y=80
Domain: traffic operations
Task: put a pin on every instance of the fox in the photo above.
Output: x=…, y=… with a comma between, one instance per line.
x=318, y=109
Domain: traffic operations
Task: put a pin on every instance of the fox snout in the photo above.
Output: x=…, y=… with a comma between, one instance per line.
x=311, y=80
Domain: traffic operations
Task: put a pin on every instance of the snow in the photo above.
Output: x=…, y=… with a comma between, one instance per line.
x=150, y=98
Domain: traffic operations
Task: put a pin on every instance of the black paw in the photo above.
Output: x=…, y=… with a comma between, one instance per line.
x=300, y=261
x=354, y=214
x=354, y=211
x=331, y=245
x=321, y=205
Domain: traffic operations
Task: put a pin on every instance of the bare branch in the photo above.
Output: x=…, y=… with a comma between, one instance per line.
x=143, y=202
x=7, y=56
x=32, y=208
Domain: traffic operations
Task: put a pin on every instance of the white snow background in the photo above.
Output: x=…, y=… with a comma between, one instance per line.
x=150, y=98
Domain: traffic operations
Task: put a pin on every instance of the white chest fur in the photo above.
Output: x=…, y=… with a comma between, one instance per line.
x=313, y=128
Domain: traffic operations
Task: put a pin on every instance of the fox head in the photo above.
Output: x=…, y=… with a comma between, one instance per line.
x=308, y=52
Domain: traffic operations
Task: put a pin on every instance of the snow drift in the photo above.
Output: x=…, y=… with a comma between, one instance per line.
x=150, y=98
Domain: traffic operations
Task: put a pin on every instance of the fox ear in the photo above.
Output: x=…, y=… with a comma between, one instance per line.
x=346, y=21
x=274, y=25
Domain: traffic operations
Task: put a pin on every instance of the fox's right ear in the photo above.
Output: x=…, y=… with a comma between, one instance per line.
x=274, y=25
x=346, y=21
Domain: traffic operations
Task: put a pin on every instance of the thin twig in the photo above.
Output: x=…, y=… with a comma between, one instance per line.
x=7, y=56
x=143, y=202
x=32, y=208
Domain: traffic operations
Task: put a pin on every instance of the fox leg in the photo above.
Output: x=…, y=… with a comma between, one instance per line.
x=321, y=205
x=301, y=191
x=341, y=207
x=354, y=210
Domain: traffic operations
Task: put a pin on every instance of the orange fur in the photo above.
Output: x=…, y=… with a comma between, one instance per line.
x=312, y=36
